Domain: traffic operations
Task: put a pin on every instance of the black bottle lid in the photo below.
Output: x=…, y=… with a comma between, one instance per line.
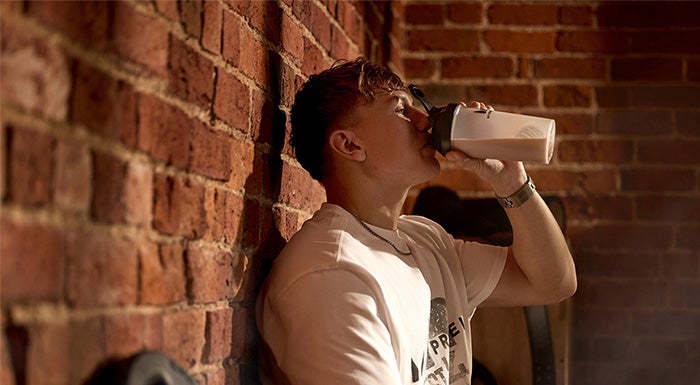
x=440, y=120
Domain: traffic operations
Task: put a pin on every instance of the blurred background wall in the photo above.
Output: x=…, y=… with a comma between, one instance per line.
x=147, y=182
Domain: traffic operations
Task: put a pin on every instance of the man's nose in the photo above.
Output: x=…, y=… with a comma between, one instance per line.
x=420, y=120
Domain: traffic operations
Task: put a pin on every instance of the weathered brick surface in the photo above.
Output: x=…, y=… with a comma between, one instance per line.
x=29, y=166
x=146, y=167
x=101, y=271
x=184, y=336
x=162, y=274
x=210, y=274
x=32, y=263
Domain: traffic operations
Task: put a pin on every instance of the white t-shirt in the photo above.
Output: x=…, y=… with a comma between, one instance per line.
x=340, y=306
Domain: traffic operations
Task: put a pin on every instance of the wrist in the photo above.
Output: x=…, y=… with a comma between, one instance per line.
x=520, y=196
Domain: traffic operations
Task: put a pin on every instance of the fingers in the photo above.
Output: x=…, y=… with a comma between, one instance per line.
x=478, y=105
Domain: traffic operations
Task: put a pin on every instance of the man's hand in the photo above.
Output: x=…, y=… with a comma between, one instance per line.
x=505, y=177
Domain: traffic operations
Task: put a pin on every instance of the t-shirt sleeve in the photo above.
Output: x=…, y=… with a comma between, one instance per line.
x=327, y=328
x=482, y=266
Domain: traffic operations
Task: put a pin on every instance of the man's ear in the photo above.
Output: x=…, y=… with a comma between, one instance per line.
x=346, y=144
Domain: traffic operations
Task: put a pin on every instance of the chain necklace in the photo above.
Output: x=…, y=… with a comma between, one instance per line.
x=380, y=237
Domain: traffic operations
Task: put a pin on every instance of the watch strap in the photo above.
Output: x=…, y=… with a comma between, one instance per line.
x=519, y=197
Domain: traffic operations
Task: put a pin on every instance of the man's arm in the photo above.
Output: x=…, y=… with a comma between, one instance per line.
x=539, y=268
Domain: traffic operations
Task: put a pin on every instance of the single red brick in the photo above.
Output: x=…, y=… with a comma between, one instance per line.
x=178, y=206
x=649, y=69
x=212, y=25
x=256, y=62
x=184, y=336
x=341, y=46
x=607, y=151
x=575, y=15
x=286, y=222
x=599, y=180
x=668, y=151
x=570, y=68
x=124, y=334
x=424, y=14
x=108, y=199
x=592, y=41
x=60, y=16
x=138, y=193
x=73, y=176
x=634, y=123
x=464, y=13
x=597, y=206
x=32, y=263
x=687, y=236
x=626, y=294
x=266, y=17
x=522, y=14
x=231, y=101
x=648, y=95
x=572, y=123
x=292, y=38
x=102, y=270
x=443, y=39
x=191, y=17
x=680, y=265
x=224, y=211
x=167, y=8
x=219, y=331
x=191, y=74
x=294, y=181
x=211, y=152
x=230, y=41
x=313, y=62
x=164, y=131
x=29, y=166
x=47, y=361
x=646, y=14
x=350, y=21
x=668, y=208
x=633, y=236
x=242, y=160
x=568, y=96
x=210, y=274
x=105, y=105
x=686, y=122
x=86, y=347
x=693, y=70
x=419, y=68
x=662, y=179
x=520, y=41
x=140, y=37
x=479, y=67
x=244, y=334
x=266, y=119
x=510, y=95
x=35, y=73
x=162, y=274
x=219, y=376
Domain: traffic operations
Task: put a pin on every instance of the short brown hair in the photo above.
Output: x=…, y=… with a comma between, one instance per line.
x=329, y=97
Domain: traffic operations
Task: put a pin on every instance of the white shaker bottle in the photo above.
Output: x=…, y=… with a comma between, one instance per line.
x=488, y=134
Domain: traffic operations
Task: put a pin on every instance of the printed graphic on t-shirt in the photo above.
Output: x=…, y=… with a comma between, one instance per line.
x=441, y=367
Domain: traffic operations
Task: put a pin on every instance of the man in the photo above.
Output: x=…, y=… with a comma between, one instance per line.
x=363, y=295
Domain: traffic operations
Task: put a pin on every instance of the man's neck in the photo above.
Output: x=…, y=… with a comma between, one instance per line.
x=379, y=208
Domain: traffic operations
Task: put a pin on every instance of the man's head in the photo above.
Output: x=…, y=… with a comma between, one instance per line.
x=328, y=100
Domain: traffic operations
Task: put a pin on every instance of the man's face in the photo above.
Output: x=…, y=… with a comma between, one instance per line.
x=396, y=140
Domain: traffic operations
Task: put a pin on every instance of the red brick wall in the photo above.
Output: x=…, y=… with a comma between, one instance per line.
x=622, y=81
x=146, y=181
